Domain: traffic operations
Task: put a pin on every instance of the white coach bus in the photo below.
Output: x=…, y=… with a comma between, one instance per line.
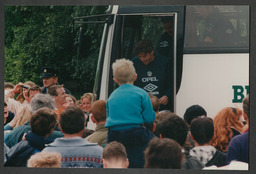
x=210, y=55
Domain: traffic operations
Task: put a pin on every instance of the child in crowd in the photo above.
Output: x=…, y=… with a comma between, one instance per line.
x=114, y=156
x=45, y=159
x=98, y=116
x=202, y=131
x=163, y=153
x=128, y=107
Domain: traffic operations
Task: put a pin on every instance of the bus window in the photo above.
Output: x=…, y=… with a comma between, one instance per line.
x=217, y=27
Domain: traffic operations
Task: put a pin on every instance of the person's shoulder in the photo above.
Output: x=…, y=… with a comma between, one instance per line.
x=239, y=138
x=192, y=162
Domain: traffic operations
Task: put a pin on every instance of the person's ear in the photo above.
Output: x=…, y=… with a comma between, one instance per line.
x=135, y=77
x=152, y=52
x=93, y=119
x=105, y=164
x=56, y=79
x=115, y=80
x=154, y=127
x=126, y=163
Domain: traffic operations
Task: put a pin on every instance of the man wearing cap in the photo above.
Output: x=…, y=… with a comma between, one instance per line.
x=50, y=78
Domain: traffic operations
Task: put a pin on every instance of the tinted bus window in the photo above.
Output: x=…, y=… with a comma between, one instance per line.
x=217, y=27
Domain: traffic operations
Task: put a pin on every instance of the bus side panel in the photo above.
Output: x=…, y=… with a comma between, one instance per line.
x=209, y=81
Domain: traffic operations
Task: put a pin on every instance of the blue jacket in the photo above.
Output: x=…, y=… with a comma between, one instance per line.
x=129, y=105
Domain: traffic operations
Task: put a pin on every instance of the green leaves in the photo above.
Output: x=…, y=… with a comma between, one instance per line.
x=38, y=36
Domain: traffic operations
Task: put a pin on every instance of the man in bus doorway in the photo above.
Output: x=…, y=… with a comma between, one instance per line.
x=154, y=74
x=165, y=43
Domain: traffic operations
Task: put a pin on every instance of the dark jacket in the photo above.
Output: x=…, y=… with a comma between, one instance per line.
x=218, y=159
x=21, y=152
x=191, y=162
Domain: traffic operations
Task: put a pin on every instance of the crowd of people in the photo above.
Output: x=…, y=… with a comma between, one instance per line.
x=47, y=126
x=49, y=130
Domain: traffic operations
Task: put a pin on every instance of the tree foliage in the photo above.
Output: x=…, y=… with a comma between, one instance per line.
x=38, y=36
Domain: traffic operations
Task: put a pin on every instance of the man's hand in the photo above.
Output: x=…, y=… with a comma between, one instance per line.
x=163, y=100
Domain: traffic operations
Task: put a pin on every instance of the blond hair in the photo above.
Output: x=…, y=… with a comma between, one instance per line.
x=45, y=159
x=123, y=71
x=24, y=116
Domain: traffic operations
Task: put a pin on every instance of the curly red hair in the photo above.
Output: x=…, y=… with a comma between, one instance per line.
x=223, y=121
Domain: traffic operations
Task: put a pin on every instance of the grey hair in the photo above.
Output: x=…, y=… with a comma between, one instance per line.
x=40, y=101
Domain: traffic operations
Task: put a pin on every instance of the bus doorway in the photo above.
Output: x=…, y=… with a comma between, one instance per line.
x=161, y=30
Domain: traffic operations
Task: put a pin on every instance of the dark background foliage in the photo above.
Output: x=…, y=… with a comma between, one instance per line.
x=38, y=36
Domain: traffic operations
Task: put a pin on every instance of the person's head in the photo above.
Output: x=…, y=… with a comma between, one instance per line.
x=124, y=71
x=98, y=111
x=192, y=112
x=168, y=24
x=49, y=76
x=72, y=120
x=40, y=101
x=114, y=156
x=173, y=127
x=33, y=91
x=163, y=153
x=162, y=114
x=24, y=94
x=45, y=160
x=58, y=93
x=155, y=102
x=86, y=101
x=6, y=111
x=8, y=85
x=144, y=50
x=246, y=106
x=202, y=130
x=43, y=122
x=226, y=119
x=70, y=100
